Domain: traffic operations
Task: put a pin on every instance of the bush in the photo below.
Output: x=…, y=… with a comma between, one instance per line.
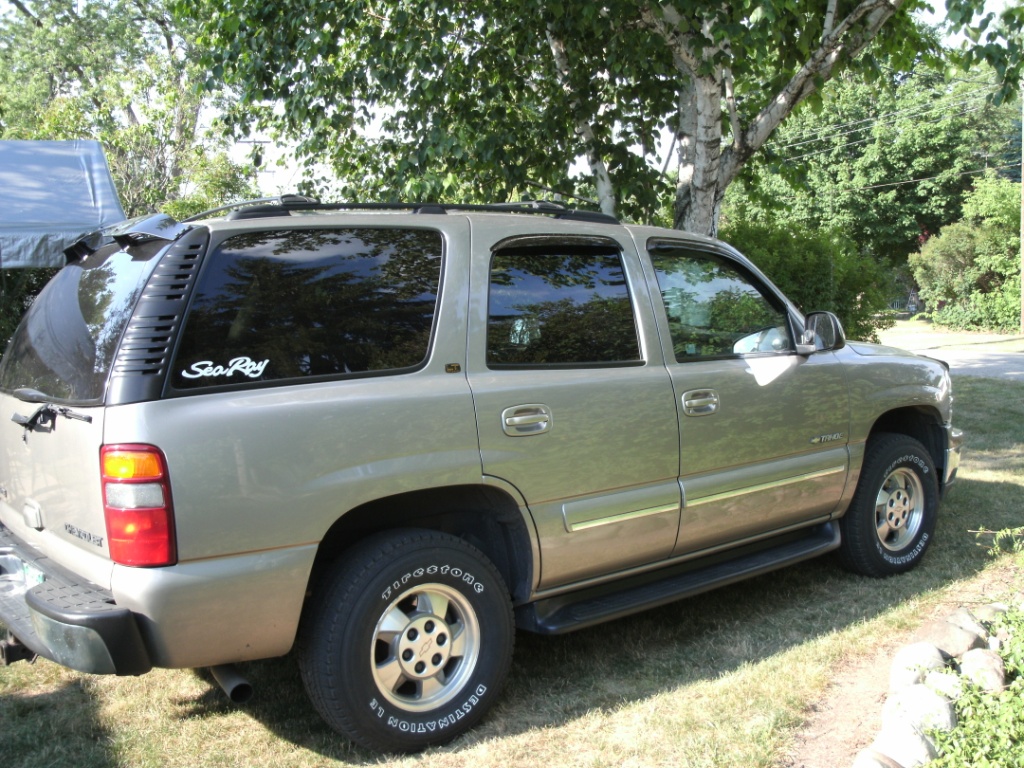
x=819, y=270
x=969, y=273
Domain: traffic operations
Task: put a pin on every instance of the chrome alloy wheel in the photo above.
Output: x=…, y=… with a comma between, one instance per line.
x=425, y=647
x=899, y=509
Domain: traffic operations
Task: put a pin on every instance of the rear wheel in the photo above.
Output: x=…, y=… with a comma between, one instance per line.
x=891, y=519
x=408, y=641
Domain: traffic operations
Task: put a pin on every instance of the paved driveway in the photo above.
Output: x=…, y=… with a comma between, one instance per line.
x=968, y=354
x=981, y=362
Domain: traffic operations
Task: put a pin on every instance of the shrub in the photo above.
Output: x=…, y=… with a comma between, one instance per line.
x=970, y=272
x=819, y=270
x=18, y=289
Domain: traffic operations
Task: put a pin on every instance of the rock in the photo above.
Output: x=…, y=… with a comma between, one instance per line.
x=905, y=746
x=946, y=683
x=920, y=708
x=912, y=663
x=989, y=613
x=984, y=668
x=964, y=619
x=949, y=638
x=869, y=758
x=994, y=643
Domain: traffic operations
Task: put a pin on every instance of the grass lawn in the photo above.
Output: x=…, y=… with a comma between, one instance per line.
x=719, y=680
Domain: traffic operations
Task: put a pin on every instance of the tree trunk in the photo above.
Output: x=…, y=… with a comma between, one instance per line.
x=699, y=190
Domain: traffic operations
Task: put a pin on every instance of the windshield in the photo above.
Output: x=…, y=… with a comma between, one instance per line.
x=65, y=345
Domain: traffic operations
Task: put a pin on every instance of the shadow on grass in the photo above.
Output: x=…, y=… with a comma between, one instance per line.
x=60, y=727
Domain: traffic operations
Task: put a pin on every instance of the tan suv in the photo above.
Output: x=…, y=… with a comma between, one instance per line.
x=388, y=436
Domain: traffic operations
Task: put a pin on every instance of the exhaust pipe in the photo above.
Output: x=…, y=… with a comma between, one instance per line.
x=237, y=688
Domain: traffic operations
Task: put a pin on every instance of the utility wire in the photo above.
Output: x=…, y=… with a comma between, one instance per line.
x=925, y=178
x=886, y=119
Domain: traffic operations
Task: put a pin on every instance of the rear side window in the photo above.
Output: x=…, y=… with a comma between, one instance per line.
x=308, y=303
x=560, y=305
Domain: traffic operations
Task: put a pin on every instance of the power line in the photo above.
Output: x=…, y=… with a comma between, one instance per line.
x=871, y=138
x=925, y=178
x=830, y=130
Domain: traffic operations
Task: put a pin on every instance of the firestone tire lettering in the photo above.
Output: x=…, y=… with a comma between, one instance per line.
x=899, y=471
x=344, y=638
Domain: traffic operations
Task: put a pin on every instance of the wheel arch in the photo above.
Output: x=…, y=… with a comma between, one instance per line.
x=484, y=516
x=922, y=423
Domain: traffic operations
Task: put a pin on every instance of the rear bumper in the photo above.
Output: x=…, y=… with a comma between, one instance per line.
x=63, y=618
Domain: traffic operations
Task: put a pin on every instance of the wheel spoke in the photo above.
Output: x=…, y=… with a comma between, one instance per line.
x=458, y=640
x=883, y=529
x=389, y=674
x=431, y=686
x=392, y=624
x=432, y=602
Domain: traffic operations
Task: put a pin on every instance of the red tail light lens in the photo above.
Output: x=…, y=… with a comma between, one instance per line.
x=137, y=505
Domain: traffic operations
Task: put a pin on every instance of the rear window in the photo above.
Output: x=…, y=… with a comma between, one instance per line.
x=65, y=345
x=309, y=303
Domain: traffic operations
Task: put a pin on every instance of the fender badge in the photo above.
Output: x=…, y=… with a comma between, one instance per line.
x=827, y=438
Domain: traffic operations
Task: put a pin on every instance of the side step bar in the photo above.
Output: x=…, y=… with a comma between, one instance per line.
x=614, y=600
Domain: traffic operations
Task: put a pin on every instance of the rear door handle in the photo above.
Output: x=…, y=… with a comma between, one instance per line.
x=529, y=419
x=700, y=402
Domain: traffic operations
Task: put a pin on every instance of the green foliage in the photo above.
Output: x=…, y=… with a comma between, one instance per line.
x=887, y=161
x=121, y=72
x=970, y=272
x=478, y=100
x=990, y=729
x=818, y=270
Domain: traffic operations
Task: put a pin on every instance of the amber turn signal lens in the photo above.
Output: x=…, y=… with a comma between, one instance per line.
x=121, y=464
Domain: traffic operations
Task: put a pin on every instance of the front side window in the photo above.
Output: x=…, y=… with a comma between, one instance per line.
x=714, y=308
x=302, y=303
x=560, y=304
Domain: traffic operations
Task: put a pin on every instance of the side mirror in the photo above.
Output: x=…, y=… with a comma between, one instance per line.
x=822, y=332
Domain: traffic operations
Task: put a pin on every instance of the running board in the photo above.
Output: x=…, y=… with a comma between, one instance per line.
x=613, y=600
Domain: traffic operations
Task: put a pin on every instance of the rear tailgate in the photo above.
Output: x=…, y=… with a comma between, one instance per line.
x=50, y=492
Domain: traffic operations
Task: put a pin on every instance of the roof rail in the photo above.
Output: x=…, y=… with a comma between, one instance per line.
x=285, y=204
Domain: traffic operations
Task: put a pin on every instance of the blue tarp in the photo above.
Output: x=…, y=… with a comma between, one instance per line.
x=52, y=193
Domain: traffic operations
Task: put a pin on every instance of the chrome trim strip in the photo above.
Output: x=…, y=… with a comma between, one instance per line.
x=764, y=486
x=623, y=517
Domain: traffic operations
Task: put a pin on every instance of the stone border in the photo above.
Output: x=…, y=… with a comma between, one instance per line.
x=928, y=675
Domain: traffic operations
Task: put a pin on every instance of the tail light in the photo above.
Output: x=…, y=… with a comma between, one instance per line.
x=137, y=505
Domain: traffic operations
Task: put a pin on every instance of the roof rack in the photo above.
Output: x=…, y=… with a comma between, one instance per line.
x=285, y=204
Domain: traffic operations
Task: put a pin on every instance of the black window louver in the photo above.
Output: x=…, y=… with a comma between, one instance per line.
x=145, y=350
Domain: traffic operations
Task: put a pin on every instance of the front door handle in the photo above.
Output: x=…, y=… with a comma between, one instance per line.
x=522, y=420
x=700, y=402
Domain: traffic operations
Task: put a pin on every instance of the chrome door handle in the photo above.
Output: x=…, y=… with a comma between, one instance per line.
x=529, y=419
x=700, y=402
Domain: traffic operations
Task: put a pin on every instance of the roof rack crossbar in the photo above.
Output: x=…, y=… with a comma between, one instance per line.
x=285, y=204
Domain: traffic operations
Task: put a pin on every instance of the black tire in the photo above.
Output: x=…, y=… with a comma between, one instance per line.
x=407, y=641
x=891, y=519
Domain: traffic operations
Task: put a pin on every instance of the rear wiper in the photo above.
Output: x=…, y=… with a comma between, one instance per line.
x=44, y=416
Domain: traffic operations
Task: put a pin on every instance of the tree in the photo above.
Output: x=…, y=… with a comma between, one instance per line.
x=123, y=72
x=501, y=95
x=888, y=162
x=970, y=272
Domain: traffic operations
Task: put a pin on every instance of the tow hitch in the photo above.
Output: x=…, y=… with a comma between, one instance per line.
x=11, y=650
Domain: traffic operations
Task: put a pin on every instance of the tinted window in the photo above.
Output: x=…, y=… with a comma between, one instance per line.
x=311, y=302
x=560, y=306
x=714, y=308
x=66, y=343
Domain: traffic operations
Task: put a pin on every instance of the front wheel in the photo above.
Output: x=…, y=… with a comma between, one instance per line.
x=408, y=640
x=891, y=519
